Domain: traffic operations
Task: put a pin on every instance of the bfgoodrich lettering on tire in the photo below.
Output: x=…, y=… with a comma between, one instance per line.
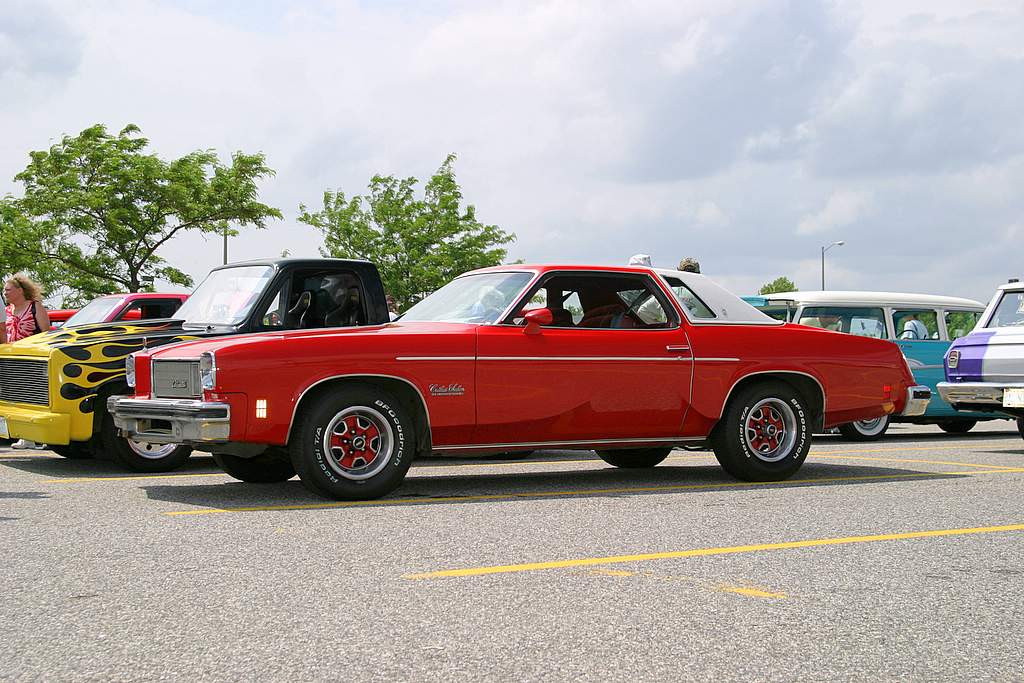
x=764, y=434
x=353, y=443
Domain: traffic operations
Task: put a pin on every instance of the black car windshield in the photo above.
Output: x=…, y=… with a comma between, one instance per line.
x=226, y=296
x=96, y=311
x=471, y=299
x=1009, y=312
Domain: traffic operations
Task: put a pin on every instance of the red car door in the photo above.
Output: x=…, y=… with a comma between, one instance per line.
x=613, y=365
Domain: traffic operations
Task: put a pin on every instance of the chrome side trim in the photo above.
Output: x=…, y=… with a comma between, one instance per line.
x=542, y=444
x=585, y=358
x=432, y=358
x=824, y=397
x=423, y=401
x=717, y=360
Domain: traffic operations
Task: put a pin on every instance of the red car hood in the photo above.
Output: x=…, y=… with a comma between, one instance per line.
x=389, y=330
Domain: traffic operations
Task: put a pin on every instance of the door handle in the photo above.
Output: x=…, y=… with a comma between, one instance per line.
x=677, y=348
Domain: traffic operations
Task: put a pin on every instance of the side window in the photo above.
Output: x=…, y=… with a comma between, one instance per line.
x=920, y=324
x=275, y=315
x=864, y=322
x=599, y=302
x=150, y=309
x=960, y=323
x=695, y=308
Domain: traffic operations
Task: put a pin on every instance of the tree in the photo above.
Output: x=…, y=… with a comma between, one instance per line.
x=779, y=284
x=417, y=244
x=98, y=207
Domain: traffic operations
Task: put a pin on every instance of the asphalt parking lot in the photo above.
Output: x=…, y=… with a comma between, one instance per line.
x=900, y=559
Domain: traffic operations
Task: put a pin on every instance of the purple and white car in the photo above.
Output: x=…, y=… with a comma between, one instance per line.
x=985, y=369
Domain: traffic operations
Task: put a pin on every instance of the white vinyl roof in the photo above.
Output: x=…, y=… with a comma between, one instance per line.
x=873, y=298
x=727, y=307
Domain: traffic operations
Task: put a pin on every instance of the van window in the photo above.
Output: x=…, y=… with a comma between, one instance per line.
x=777, y=312
x=960, y=323
x=864, y=322
x=916, y=324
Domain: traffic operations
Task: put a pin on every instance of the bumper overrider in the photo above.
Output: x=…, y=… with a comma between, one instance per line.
x=171, y=420
x=918, y=397
x=984, y=393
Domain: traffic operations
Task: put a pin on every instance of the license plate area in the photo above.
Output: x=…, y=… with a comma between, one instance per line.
x=1013, y=398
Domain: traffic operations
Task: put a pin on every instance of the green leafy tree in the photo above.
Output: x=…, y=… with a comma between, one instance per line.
x=417, y=244
x=779, y=284
x=97, y=208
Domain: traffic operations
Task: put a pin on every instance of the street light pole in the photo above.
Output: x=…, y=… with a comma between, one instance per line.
x=823, y=250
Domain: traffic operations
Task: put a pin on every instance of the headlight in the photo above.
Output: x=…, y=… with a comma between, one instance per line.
x=129, y=370
x=208, y=370
x=953, y=359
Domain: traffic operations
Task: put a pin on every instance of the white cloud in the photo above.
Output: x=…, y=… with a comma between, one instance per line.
x=843, y=208
x=593, y=131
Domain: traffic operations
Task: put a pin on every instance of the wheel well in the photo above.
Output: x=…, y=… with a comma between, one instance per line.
x=406, y=393
x=806, y=386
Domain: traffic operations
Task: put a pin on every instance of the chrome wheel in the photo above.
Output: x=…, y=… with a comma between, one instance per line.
x=359, y=441
x=151, y=451
x=771, y=429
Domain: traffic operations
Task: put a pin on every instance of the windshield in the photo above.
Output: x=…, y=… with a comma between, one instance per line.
x=1009, y=312
x=471, y=299
x=96, y=311
x=226, y=296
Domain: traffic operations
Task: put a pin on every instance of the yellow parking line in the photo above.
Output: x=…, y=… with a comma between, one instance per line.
x=78, y=480
x=705, y=552
x=581, y=492
x=920, y=462
x=751, y=592
x=813, y=454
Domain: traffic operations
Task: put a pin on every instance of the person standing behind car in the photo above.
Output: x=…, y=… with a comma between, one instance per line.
x=689, y=265
x=26, y=316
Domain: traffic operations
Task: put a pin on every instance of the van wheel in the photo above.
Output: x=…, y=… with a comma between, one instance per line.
x=635, y=458
x=141, y=456
x=1020, y=426
x=764, y=434
x=957, y=426
x=353, y=443
x=865, y=430
x=266, y=468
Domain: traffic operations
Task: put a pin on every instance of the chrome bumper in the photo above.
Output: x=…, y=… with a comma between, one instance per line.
x=990, y=393
x=918, y=397
x=171, y=420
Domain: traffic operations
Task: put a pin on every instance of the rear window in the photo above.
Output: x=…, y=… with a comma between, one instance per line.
x=1009, y=311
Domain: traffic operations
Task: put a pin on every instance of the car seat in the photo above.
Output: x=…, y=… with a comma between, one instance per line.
x=293, y=318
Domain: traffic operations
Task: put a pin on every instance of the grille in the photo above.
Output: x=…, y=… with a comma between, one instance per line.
x=176, y=379
x=25, y=381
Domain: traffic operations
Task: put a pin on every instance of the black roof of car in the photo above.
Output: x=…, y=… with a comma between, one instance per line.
x=297, y=262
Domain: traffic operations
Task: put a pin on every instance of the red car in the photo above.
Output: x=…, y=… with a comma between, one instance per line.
x=115, y=307
x=628, y=361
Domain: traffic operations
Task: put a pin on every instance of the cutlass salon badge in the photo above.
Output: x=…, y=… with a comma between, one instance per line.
x=447, y=390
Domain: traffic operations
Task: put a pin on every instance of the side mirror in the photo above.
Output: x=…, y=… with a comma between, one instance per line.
x=536, y=318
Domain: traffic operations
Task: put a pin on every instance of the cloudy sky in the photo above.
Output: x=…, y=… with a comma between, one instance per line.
x=747, y=134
